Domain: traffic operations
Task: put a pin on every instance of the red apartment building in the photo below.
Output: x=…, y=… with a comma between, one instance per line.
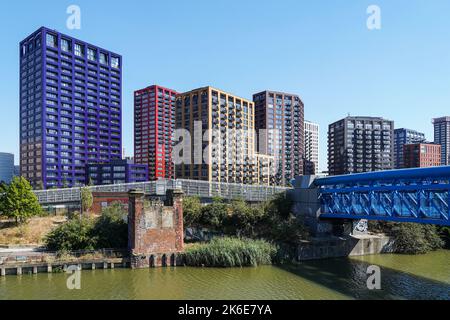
x=422, y=155
x=154, y=123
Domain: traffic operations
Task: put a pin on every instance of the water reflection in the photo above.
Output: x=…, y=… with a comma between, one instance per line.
x=402, y=277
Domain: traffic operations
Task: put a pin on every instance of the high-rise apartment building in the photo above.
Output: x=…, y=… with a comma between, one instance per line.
x=360, y=144
x=401, y=137
x=70, y=108
x=311, y=161
x=442, y=137
x=279, y=121
x=221, y=128
x=422, y=155
x=154, y=123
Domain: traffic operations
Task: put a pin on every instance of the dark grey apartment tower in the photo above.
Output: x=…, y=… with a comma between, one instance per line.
x=282, y=115
x=360, y=144
x=442, y=137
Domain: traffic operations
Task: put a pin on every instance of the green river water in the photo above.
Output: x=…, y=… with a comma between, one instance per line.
x=402, y=277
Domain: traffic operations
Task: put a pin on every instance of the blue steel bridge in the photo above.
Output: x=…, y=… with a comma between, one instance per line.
x=407, y=195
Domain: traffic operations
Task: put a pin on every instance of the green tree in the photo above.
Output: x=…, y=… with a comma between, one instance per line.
x=87, y=200
x=192, y=211
x=18, y=201
x=214, y=215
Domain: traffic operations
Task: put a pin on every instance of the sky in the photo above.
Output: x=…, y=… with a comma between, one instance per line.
x=321, y=50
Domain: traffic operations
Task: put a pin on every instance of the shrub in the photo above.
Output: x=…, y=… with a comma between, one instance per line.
x=111, y=229
x=412, y=238
x=108, y=231
x=230, y=252
x=214, y=215
x=73, y=235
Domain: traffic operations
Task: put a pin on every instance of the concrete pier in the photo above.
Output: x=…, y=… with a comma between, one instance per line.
x=93, y=266
x=105, y=265
x=49, y=268
x=2, y=272
x=19, y=271
x=35, y=270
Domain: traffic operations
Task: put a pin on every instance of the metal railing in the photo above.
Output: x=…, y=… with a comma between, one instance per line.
x=204, y=189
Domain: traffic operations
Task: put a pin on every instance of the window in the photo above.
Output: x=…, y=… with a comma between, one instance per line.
x=65, y=45
x=103, y=58
x=91, y=54
x=79, y=50
x=115, y=62
x=51, y=40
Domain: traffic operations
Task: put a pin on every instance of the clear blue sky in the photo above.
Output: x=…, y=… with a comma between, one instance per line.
x=319, y=49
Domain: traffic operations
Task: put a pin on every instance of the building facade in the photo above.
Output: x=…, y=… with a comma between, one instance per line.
x=154, y=123
x=220, y=136
x=6, y=167
x=116, y=172
x=279, y=121
x=442, y=137
x=311, y=161
x=422, y=155
x=401, y=137
x=70, y=108
x=360, y=144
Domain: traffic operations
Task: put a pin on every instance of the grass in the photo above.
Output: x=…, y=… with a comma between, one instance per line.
x=30, y=233
x=230, y=252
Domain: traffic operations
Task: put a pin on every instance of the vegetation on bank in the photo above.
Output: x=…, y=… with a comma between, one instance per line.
x=230, y=252
x=271, y=220
x=18, y=202
x=411, y=238
x=31, y=233
x=110, y=230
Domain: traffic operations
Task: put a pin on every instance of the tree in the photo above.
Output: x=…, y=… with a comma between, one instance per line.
x=87, y=200
x=214, y=214
x=192, y=211
x=18, y=201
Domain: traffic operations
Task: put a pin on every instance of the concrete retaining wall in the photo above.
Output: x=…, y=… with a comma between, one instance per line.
x=334, y=247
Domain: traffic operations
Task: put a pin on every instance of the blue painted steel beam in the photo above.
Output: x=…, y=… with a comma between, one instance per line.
x=381, y=218
x=403, y=174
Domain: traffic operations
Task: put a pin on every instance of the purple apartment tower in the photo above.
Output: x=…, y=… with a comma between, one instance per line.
x=70, y=108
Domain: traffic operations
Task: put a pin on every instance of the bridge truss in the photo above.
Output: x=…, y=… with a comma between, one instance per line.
x=410, y=195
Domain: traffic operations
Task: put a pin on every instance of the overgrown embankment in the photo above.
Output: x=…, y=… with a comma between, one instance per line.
x=412, y=238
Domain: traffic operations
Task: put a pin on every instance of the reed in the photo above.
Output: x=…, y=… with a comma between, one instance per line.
x=230, y=252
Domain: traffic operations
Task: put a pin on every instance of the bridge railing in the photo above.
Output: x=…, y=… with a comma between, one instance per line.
x=409, y=195
x=254, y=193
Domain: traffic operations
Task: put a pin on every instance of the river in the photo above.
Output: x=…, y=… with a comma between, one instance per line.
x=402, y=277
